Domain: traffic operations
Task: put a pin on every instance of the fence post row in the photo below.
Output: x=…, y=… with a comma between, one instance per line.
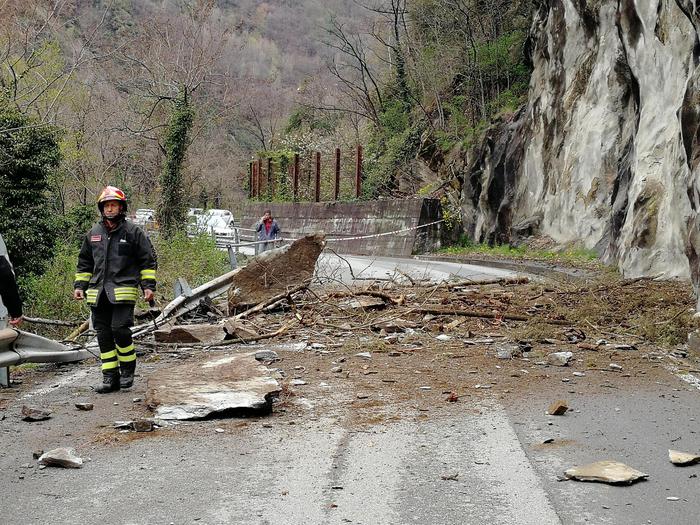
x=255, y=176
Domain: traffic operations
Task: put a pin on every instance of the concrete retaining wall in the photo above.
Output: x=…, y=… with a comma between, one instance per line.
x=338, y=220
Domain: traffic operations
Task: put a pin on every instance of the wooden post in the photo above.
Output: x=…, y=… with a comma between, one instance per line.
x=358, y=172
x=260, y=173
x=254, y=181
x=317, y=192
x=295, y=185
x=250, y=180
x=336, y=193
x=270, y=180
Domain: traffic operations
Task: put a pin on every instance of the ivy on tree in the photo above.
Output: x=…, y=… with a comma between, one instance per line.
x=172, y=208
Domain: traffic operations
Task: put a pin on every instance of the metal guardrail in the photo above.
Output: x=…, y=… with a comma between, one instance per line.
x=18, y=347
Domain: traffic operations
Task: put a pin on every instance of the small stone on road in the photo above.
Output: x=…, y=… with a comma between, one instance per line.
x=35, y=414
x=61, y=457
x=560, y=358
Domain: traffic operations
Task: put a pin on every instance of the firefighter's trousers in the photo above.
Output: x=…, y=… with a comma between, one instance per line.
x=113, y=323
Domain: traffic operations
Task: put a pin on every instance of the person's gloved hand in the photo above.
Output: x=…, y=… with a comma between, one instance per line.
x=78, y=294
x=148, y=295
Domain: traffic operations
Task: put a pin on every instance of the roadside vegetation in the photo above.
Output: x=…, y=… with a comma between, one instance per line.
x=50, y=295
x=566, y=255
x=612, y=308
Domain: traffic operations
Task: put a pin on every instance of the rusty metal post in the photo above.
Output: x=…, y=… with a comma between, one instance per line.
x=317, y=192
x=250, y=180
x=260, y=174
x=358, y=172
x=295, y=185
x=270, y=180
x=336, y=194
x=254, y=181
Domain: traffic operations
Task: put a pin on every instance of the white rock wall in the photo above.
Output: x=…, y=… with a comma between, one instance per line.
x=603, y=161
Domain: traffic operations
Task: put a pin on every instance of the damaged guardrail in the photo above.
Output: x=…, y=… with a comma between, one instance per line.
x=17, y=347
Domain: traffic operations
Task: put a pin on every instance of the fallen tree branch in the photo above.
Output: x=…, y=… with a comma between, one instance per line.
x=502, y=280
x=372, y=293
x=486, y=315
x=52, y=322
x=272, y=300
x=78, y=331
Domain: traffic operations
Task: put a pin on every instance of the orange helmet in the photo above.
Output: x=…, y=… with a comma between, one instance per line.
x=111, y=193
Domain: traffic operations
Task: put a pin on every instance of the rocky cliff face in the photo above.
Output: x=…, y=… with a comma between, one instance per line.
x=607, y=150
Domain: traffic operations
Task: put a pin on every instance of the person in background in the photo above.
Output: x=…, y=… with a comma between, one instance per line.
x=9, y=293
x=116, y=259
x=268, y=230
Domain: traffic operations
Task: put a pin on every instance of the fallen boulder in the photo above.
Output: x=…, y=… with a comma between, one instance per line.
x=190, y=333
x=229, y=385
x=612, y=472
x=274, y=272
x=61, y=457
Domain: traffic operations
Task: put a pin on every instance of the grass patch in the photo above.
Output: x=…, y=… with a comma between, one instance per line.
x=571, y=254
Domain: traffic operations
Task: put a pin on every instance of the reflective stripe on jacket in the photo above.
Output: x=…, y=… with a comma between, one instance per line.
x=116, y=262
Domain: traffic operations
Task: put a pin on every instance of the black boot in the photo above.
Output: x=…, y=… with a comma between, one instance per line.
x=127, y=374
x=110, y=382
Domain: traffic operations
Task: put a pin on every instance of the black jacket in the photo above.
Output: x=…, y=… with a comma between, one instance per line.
x=8, y=289
x=116, y=262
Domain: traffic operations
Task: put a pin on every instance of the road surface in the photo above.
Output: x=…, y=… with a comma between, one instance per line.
x=400, y=455
x=347, y=268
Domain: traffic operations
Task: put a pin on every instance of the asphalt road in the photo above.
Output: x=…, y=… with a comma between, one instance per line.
x=467, y=463
x=479, y=461
x=347, y=268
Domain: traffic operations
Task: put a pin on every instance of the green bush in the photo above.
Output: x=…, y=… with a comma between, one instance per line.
x=197, y=260
x=51, y=294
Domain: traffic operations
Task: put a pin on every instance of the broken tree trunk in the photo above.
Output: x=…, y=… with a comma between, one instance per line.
x=487, y=315
x=274, y=273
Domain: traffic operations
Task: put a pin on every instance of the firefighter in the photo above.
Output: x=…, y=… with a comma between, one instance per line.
x=115, y=258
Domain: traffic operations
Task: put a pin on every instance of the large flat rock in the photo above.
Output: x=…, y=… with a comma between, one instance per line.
x=233, y=384
x=607, y=471
x=275, y=272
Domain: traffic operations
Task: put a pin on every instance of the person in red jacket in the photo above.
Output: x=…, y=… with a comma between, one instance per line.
x=268, y=230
